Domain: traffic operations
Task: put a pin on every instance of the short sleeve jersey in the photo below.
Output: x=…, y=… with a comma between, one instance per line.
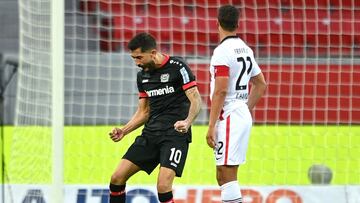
x=165, y=88
x=233, y=58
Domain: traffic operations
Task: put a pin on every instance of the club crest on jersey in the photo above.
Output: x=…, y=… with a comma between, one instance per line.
x=164, y=77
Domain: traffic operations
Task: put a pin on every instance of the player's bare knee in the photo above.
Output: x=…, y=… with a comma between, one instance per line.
x=163, y=187
x=118, y=179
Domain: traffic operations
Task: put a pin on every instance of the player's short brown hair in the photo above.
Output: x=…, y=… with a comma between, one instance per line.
x=228, y=17
x=144, y=41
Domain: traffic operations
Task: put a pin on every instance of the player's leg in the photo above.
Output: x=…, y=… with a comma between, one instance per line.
x=141, y=155
x=164, y=184
x=173, y=153
x=227, y=179
x=232, y=139
x=226, y=175
x=123, y=172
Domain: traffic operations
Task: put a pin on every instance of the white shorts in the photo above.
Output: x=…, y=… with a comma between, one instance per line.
x=232, y=137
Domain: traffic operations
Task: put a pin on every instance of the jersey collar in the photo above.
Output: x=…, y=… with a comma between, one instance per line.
x=165, y=60
x=228, y=37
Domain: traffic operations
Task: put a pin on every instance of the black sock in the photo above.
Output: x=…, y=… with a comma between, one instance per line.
x=117, y=193
x=165, y=197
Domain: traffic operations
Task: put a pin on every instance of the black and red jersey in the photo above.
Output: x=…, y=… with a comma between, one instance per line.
x=165, y=89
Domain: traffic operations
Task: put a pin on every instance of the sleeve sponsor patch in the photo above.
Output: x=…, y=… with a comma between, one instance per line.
x=185, y=75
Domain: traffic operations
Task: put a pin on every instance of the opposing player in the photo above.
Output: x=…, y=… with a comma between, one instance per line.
x=232, y=68
x=169, y=101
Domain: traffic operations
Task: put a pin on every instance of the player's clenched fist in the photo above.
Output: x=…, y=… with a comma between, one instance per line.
x=210, y=137
x=182, y=126
x=116, y=134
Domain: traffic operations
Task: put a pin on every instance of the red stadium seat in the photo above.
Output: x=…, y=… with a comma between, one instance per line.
x=108, y=6
x=346, y=14
x=284, y=24
x=309, y=91
x=269, y=29
x=272, y=101
x=260, y=13
x=255, y=26
x=160, y=2
x=181, y=49
x=205, y=12
x=350, y=4
x=88, y=5
x=260, y=3
x=281, y=45
x=316, y=14
x=250, y=39
x=171, y=10
x=201, y=12
x=317, y=21
x=330, y=33
x=215, y=3
x=205, y=25
x=312, y=4
x=213, y=12
x=348, y=21
x=204, y=50
x=119, y=8
x=328, y=36
x=157, y=10
x=280, y=39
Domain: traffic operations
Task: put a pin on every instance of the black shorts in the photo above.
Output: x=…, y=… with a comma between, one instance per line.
x=168, y=150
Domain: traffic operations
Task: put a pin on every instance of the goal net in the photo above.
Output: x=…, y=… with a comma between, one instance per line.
x=308, y=50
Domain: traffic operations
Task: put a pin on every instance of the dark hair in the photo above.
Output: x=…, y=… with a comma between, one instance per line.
x=228, y=17
x=142, y=40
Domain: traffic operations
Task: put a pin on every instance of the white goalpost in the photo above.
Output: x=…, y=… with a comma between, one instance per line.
x=58, y=91
x=40, y=105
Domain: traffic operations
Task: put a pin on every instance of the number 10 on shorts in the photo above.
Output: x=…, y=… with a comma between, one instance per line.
x=175, y=155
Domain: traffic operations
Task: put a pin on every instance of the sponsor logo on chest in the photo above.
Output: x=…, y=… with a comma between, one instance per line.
x=160, y=91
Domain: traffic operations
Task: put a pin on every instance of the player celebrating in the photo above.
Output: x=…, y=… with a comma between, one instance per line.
x=169, y=101
x=232, y=67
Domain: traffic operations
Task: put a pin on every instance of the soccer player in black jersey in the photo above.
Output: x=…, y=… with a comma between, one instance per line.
x=169, y=101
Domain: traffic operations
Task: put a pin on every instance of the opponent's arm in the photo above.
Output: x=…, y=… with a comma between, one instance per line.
x=257, y=90
x=195, y=105
x=217, y=103
x=138, y=119
x=218, y=99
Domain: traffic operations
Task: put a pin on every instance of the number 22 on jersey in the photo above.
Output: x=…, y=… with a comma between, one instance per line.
x=244, y=69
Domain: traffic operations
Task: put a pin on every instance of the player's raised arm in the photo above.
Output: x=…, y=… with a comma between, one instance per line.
x=138, y=119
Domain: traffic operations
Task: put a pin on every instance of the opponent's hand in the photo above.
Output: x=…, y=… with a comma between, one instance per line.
x=182, y=126
x=210, y=137
x=116, y=134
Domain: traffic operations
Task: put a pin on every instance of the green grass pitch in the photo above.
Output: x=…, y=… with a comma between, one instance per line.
x=277, y=155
